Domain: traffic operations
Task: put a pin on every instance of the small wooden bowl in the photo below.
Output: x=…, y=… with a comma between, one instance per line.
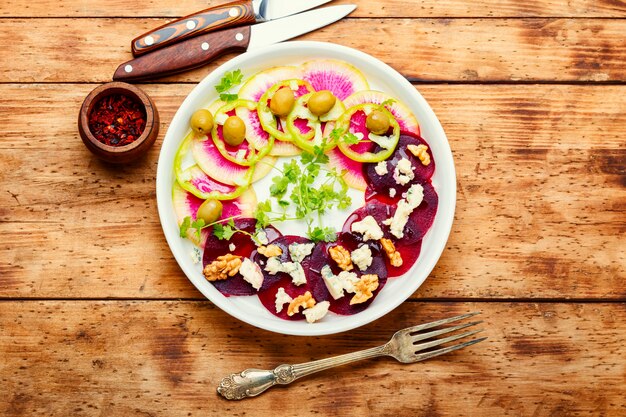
x=125, y=153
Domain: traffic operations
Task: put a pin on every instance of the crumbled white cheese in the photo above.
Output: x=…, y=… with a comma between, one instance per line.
x=220, y=118
x=299, y=251
x=274, y=266
x=232, y=247
x=240, y=155
x=368, y=228
x=261, y=237
x=293, y=85
x=359, y=135
x=336, y=284
x=317, y=312
x=362, y=257
x=381, y=168
x=413, y=198
x=392, y=192
x=282, y=298
x=251, y=273
x=403, y=173
x=385, y=142
x=196, y=257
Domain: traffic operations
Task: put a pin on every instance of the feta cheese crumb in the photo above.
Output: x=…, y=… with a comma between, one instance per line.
x=317, y=312
x=294, y=269
x=232, y=247
x=251, y=273
x=336, y=284
x=348, y=279
x=403, y=173
x=261, y=236
x=282, y=298
x=362, y=257
x=385, y=142
x=299, y=251
x=196, y=256
x=413, y=198
x=241, y=153
x=220, y=118
x=293, y=84
x=381, y=168
x=368, y=228
x=392, y=192
x=359, y=135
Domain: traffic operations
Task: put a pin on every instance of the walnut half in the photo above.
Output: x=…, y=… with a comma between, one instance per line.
x=305, y=301
x=341, y=255
x=270, y=250
x=420, y=151
x=222, y=267
x=364, y=288
x=395, y=259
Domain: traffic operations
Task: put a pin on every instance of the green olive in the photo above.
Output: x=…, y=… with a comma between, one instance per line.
x=282, y=102
x=234, y=131
x=202, y=121
x=210, y=211
x=377, y=122
x=321, y=102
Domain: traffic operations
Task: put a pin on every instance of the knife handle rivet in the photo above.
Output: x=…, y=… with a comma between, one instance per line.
x=233, y=12
x=149, y=40
x=239, y=36
x=191, y=25
x=128, y=68
x=205, y=46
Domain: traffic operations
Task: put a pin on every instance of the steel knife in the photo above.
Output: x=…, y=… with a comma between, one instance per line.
x=236, y=13
x=200, y=50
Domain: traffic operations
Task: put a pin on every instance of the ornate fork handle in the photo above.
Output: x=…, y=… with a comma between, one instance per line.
x=253, y=382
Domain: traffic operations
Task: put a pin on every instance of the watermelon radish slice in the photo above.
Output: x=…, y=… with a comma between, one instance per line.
x=321, y=257
x=352, y=170
x=262, y=81
x=243, y=246
x=272, y=283
x=198, y=183
x=260, y=135
x=211, y=161
x=379, y=186
x=307, y=128
x=257, y=142
x=370, y=148
x=269, y=121
x=341, y=78
x=187, y=204
x=402, y=114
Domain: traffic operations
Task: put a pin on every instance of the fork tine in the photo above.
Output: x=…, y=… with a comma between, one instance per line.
x=438, y=342
x=428, y=355
x=438, y=323
x=422, y=336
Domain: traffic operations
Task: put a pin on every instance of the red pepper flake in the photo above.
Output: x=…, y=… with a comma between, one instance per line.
x=117, y=120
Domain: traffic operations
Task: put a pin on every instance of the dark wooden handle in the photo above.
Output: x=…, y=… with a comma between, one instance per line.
x=237, y=13
x=185, y=55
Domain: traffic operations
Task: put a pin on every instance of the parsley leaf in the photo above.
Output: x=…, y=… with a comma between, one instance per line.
x=225, y=231
x=184, y=226
x=325, y=234
x=228, y=81
x=350, y=139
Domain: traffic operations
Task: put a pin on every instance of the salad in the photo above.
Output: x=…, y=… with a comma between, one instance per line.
x=319, y=134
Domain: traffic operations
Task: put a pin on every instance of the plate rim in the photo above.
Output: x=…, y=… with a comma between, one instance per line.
x=172, y=237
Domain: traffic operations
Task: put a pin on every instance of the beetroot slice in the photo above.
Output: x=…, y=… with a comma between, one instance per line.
x=244, y=246
x=271, y=283
x=379, y=186
x=409, y=252
x=321, y=257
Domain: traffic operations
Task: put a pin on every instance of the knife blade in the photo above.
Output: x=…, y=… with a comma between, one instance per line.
x=198, y=51
x=236, y=13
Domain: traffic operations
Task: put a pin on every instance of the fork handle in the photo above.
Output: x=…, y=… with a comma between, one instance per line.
x=253, y=382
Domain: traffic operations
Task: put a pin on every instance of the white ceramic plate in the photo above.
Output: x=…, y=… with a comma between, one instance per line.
x=381, y=77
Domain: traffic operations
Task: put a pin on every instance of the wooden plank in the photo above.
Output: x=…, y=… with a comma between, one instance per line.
x=166, y=358
x=476, y=50
x=540, y=209
x=365, y=8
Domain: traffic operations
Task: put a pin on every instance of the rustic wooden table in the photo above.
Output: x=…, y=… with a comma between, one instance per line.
x=97, y=319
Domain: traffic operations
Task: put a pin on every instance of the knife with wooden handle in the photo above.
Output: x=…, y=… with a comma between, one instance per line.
x=236, y=13
x=200, y=50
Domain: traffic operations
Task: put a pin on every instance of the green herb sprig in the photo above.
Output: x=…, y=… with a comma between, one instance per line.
x=229, y=80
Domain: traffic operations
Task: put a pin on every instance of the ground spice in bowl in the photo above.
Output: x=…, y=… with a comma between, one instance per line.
x=117, y=120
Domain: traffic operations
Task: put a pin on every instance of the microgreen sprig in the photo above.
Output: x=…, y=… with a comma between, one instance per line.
x=229, y=80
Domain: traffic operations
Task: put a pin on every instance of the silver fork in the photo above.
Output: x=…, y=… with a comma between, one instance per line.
x=402, y=346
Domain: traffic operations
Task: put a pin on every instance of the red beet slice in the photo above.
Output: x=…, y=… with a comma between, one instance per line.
x=271, y=283
x=321, y=257
x=409, y=252
x=244, y=246
x=379, y=186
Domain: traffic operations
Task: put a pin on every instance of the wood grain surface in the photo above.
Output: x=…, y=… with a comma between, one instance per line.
x=96, y=318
